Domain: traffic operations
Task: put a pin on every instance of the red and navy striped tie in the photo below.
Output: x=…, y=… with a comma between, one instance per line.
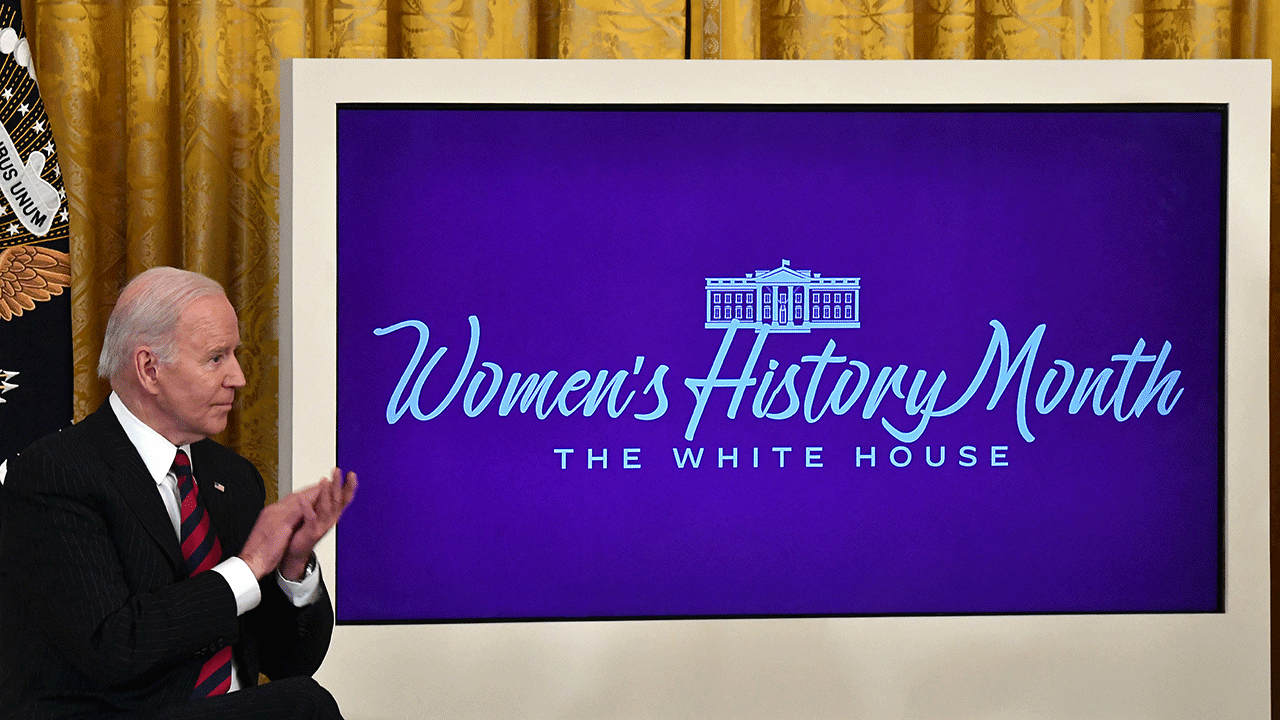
x=201, y=551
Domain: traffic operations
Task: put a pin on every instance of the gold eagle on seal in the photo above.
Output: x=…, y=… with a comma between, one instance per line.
x=30, y=274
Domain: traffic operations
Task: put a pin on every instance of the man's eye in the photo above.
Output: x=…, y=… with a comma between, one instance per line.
x=216, y=358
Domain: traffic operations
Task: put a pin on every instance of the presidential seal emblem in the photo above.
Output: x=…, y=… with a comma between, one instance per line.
x=35, y=264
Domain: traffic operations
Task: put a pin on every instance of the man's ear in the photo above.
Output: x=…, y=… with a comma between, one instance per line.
x=146, y=366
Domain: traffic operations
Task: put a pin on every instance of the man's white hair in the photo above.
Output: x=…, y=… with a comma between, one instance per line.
x=146, y=313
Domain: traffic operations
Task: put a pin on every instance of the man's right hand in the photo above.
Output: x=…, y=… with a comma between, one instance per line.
x=274, y=528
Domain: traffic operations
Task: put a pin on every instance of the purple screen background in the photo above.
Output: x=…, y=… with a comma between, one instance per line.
x=582, y=238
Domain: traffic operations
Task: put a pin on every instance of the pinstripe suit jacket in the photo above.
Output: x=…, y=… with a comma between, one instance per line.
x=97, y=615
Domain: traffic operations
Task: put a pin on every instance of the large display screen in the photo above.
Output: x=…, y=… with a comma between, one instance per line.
x=766, y=361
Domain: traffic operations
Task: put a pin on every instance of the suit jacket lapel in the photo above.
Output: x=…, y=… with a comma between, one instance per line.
x=134, y=482
x=218, y=499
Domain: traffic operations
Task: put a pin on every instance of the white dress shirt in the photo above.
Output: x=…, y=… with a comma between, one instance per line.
x=158, y=455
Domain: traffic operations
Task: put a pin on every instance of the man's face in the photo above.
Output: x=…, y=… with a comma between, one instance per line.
x=195, y=392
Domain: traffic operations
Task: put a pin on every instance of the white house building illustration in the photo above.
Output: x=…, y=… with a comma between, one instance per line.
x=783, y=300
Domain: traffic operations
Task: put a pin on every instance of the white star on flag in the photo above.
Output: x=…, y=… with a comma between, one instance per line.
x=48, y=147
x=24, y=109
x=62, y=194
x=7, y=94
x=37, y=127
x=5, y=386
x=63, y=215
x=13, y=229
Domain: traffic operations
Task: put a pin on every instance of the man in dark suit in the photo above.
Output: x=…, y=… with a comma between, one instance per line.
x=140, y=574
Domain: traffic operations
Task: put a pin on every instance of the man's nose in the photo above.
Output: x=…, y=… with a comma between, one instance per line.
x=235, y=376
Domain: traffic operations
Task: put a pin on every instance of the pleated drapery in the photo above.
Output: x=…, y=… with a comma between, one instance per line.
x=967, y=29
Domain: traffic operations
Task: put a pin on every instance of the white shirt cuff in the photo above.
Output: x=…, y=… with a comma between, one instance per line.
x=242, y=582
x=305, y=591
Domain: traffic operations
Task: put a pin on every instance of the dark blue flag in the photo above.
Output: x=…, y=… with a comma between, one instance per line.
x=35, y=262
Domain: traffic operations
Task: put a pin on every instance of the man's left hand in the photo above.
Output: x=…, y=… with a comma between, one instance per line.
x=333, y=494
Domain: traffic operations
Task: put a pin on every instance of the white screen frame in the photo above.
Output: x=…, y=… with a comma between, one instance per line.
x=1074, y=666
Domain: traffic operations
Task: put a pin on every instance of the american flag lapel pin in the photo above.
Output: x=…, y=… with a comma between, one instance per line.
x=219, y=487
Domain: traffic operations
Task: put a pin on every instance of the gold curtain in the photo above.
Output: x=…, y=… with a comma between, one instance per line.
x=166, y=111
x=966, y=29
